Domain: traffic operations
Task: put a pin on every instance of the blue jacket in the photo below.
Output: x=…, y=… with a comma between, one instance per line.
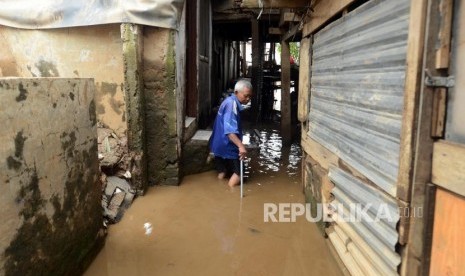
x=227, y=121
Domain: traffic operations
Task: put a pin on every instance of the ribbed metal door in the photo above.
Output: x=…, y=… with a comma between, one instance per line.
x=357, y=87
x=356, y=104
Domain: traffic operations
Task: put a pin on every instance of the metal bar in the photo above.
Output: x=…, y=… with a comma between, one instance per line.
x=242, y=178
x=440, y=81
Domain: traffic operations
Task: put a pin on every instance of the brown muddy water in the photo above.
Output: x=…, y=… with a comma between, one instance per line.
x=203, y=227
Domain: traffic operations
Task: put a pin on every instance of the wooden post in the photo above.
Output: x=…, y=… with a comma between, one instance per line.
x=411, y=264
x=271, y=53
x=238, y=59
x=244, y=58
x=256, y=67
x=416, y=141
x=413, y=84
x=285, y=93
x=445, y=31
x=304, y=79
x=323, y=12
x=442, y=62
x=192, y=92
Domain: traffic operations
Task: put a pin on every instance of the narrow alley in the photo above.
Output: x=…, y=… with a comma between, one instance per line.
x=126, y=124
x=203, y=227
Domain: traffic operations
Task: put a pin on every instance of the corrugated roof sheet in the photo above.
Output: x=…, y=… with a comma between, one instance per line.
x=357, y=88
x=376, y=225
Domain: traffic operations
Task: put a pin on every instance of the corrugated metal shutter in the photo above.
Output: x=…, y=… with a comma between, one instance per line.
x=372, y=230
x=357, y=88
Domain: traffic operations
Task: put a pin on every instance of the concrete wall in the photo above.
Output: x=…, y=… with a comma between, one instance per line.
x=50, y=193
x=159, y=74
x=88, y=52
x=180, y=52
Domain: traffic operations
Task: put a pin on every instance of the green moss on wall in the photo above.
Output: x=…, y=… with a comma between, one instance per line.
x=161, y=112
x=58, y=245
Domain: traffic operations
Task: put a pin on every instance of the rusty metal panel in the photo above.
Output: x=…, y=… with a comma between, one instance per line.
x=47, y=14
x=358, y=74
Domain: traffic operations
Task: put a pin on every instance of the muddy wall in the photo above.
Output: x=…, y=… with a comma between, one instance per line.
x=86, y=52
x=180, y=53
x=159, y=77
x=50, y=201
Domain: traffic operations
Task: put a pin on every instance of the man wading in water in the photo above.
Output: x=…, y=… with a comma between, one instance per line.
x=226, y=141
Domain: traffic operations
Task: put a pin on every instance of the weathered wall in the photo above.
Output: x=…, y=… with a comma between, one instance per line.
x=134, y=93
x=87, y=52
x=50, y=201
x=180, y=52
x=159, y=74
x=204, y=62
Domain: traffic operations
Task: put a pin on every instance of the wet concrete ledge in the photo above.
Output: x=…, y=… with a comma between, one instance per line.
x=196, y=154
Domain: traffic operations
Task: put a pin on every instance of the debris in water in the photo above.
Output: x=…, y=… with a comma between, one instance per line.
x=148, y=228
x=119, y=164
x=255, y=231
x=117, y=197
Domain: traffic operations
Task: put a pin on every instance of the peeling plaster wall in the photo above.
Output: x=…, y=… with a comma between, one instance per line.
x=159, y=74
x=180, y=41
x=50, y=193
x=86, y=52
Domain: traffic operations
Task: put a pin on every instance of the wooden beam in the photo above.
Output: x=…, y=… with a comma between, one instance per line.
x=327, y=158
x=192, y=93
x=273, y=4
x=304, y=79
x=275, y=31
x=291, y=17
x=413, y=82
x=231, y=17
x=323, y=11
x=244, y=58
x=320, y=154
x=445, y=30
x=222, y=5
x=257, y=57
x=286, y=128
x=449, y=166
x=416, y=144
x=281, y=16
x=442, y=62
x=439, y=112
x=292, y=33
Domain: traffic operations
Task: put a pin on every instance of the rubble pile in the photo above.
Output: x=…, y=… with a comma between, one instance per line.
x=117, y=165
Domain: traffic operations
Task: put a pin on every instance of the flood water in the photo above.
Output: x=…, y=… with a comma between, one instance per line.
x=203, y=227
